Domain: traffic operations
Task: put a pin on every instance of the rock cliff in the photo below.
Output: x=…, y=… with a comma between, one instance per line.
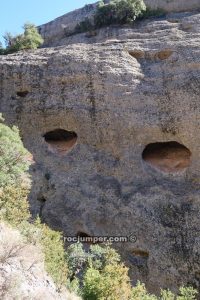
x=65, y=25
x=113, y=122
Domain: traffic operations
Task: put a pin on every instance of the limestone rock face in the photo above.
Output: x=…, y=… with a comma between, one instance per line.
x=118, y=92
x=65, y=25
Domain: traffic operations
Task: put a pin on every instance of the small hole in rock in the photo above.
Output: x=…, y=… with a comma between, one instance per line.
x=86, y=238
x=82, y=234
x=169, y=157
x=60, y=141
x=47, y=176
x=140, y=253
x=139, y=257
x=164, y=54
x=22, y=93
x=138, y=54
x=41, y=199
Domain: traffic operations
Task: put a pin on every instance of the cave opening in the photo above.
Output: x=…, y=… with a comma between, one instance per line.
x=22, y=93
x=139, y=258
x=60, y=141
x=168, y=157
x=82, y=234
x=84, y=237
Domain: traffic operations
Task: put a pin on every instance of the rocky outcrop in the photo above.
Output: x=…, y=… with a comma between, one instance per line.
x=22, y=271
x=173, y=5
x=65, y=25
x=117, y=92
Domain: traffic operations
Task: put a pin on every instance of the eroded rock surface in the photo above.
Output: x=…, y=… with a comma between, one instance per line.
x=65, y=25
x=119, y=91
x=22, y=270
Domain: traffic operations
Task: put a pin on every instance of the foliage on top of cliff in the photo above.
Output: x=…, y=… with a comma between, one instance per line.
x=30, y=39
x=118, y=12
x=115, y=12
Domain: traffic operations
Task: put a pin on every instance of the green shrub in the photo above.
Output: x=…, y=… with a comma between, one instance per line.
x=14, y=207
x=118, y=12
x=14, y=182
x=148, y=13
x=30, y=39
x=102, y=256
x=115, y=12
x=167, y=295
x=85, y=25
x=2, y=50
x=111, y=283
x=97, y=273
x=55, y=258
x=187, y=293
x=13, y=158
x=76, y=258
x=139, y=292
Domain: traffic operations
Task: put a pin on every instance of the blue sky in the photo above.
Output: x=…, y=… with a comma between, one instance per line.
x=14, y=13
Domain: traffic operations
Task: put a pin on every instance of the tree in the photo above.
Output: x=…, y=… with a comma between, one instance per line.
x=30, y=39
x=118, y=12
x=1, y=49
x=14, y=206
x=13, y=156
x=110, y=283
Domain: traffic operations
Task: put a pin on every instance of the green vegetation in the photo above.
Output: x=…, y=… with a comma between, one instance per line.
x=99, y=274
x=53, y=248
x=115, y=12
x=95, y=274
x=140, y=293
x=14, y=204
x=14, y=208
x=30, y=39
x=148, y=13
x=84, y=26
x=13, y=162
x=118, y=12
x=112, y=282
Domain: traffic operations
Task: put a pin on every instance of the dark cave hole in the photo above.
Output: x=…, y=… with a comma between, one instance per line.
x=82, y=234
x=60, y=141
x=22, y=93
x=139, y=257
x=168, y=157
x=42, y=199
x=137, y=54
x=85, y=238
